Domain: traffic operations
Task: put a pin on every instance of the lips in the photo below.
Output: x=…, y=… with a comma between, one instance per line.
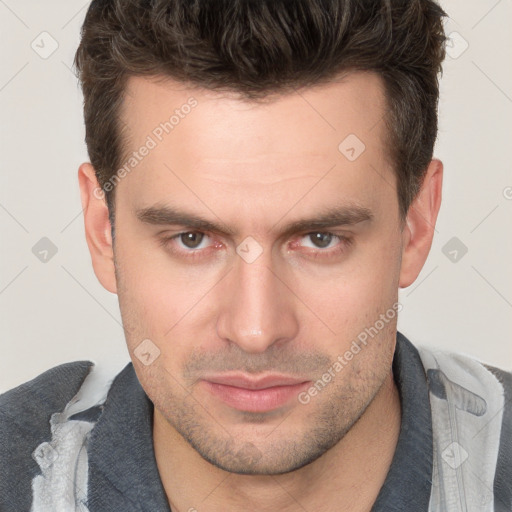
x=256, y=383
x=254, y=394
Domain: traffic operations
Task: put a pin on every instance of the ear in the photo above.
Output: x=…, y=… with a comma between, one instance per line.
x=420, y=224
x=97, y=227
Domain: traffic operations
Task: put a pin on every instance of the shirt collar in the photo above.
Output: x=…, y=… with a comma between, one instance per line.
x=409, y=479
x=123, y=474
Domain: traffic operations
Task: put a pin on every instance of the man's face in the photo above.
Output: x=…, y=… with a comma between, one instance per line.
x=250, y=302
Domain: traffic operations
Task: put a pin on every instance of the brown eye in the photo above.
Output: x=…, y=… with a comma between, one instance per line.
x=323, y=246
x=192, y=246
x=321, y=240
x=191, y=239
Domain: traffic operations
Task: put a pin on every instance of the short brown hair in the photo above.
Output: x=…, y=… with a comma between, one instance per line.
x=260, y=47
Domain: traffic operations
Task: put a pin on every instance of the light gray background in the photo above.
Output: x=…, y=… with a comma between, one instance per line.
x=56, y=311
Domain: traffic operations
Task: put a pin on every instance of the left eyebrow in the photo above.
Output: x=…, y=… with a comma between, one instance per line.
x=331, y=217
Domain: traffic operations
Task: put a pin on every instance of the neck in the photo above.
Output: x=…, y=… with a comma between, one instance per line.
x=346, y=478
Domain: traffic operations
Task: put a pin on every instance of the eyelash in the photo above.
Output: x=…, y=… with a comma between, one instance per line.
x=344, y=243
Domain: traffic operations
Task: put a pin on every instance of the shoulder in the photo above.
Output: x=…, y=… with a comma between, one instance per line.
x=444, y=368
x=28, y=407
x=25, y=413
x=471, y=405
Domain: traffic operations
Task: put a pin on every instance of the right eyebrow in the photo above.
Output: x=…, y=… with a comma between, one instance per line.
x=166, y=215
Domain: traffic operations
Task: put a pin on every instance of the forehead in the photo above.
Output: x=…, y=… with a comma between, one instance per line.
x=354, y=102
x=255, y=150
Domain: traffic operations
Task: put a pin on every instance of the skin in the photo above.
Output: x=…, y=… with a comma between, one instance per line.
x=253, y=169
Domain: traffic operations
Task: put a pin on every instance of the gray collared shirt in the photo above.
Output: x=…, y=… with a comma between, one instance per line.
x=61, y=449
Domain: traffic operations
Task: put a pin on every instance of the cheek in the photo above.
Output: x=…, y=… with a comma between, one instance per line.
x=148, y=298
x=351, y=296
x=161, y=302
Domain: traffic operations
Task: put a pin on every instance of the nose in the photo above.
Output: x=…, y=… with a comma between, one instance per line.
x=257, y=308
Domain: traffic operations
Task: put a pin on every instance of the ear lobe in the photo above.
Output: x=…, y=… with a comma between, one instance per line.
x=97, y=227
x=420, y=224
